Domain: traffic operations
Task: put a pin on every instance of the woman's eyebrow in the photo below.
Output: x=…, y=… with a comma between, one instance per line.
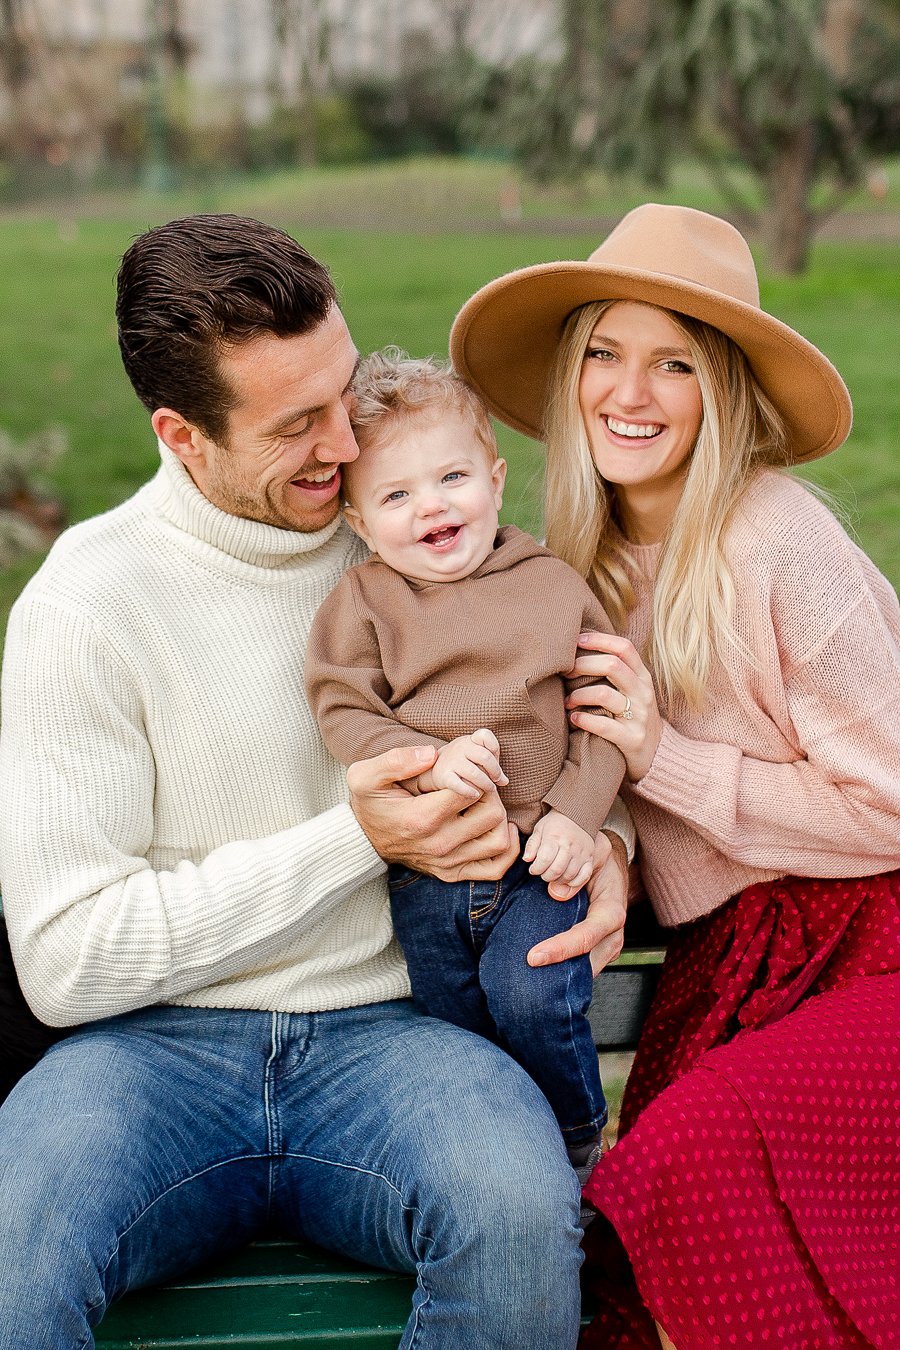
x=681, y=352
x=600, y=339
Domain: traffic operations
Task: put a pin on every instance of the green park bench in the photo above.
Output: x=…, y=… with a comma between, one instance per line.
x=277, y=1294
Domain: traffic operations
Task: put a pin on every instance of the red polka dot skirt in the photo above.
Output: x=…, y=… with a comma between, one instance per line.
x=754, y=1195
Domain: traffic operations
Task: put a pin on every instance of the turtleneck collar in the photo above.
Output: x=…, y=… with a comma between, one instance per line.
x=175, y=495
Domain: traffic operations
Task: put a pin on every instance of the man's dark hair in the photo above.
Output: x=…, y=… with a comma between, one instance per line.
x=189, y=289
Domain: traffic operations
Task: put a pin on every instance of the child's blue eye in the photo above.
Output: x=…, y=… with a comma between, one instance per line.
x=451, y=477
x=395, y=496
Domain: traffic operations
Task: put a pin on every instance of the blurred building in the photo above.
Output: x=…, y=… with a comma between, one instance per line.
x=250, y=51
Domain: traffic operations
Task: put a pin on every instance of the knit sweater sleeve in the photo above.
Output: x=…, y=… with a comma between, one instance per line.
x=95, y=929
x=345, y=680
x=835, y=806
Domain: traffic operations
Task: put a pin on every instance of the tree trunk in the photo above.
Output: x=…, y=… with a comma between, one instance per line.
x=582, y=39
x=14, y=54
x=790, y=221
x=840, y=28
x=300, y=59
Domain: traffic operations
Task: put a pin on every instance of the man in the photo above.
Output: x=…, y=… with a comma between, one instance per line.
x=186, y=882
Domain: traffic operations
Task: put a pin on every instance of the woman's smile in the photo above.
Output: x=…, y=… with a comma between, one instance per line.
x=633, y=431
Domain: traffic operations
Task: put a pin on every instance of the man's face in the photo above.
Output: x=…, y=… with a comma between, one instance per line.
x=289, y=430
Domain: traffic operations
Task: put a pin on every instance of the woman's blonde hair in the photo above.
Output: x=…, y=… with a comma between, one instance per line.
x=693, y=599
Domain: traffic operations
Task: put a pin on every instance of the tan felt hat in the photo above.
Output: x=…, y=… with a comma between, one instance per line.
x=505, y=338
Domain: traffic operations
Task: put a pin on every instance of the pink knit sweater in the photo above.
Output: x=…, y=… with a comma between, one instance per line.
x=793, y=765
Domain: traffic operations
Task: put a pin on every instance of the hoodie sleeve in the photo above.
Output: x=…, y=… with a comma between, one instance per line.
x=593, y=770
x=346, y=684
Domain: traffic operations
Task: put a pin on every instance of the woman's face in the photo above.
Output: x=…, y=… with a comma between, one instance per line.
x=640, y=401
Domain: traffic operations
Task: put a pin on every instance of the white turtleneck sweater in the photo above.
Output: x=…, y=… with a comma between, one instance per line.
x=173, y=829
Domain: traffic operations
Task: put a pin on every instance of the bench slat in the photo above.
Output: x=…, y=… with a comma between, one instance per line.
x=268, y=1296
x=622, y=996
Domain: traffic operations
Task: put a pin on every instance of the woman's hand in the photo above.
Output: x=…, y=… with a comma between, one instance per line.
x=630, y=719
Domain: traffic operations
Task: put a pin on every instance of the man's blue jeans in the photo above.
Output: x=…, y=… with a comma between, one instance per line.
x=465, y=945
x=144, y=1144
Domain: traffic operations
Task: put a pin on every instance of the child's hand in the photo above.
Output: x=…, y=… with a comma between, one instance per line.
x=469, y=765
x=560, y=851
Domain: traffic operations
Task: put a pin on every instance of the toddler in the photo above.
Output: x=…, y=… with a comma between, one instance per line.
x=458, y=634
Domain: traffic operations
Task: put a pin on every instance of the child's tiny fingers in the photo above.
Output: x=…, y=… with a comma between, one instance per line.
x=556, y=867
x=577, y=862
x=542, y=860
x=581, y=877
x=487, y=760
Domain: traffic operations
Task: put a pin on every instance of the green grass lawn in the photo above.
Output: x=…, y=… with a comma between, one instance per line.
x=435, y=193
x=59, y=362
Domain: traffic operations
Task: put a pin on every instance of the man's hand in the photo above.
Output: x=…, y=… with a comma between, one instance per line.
x=448, y=836
x=601, y=933
x=562, y=852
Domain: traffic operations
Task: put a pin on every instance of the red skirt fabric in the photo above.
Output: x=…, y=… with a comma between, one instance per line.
x=755, y=1187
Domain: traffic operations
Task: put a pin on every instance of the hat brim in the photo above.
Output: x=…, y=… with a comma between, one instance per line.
x=505, y=339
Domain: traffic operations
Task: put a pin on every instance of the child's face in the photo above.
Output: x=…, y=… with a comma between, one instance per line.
x=426, y=498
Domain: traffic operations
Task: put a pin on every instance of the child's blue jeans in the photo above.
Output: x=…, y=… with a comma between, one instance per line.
x=465, y=944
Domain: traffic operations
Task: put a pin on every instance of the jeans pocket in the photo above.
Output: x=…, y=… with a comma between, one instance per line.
x=400, y=877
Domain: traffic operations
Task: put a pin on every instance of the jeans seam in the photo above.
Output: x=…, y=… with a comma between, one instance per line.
x=270, y=1107
x=481, y=911
x=176, y=1185
x=357, y=1167
x=421, y=1233
x=594, y=1122
x=369, y=1172
x=414, y=1337
x=226, y=1162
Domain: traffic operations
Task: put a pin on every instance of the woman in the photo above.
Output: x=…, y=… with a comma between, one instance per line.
x=755, y=695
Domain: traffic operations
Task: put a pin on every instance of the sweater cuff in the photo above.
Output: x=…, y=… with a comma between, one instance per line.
x=619, y=822
x=350, y=847
x=684, y=773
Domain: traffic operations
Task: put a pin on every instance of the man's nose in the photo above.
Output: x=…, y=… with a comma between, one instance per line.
x=337, y=444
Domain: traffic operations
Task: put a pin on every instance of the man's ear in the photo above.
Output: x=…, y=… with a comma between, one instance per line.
x=183, y=438
x=498, y=478
x=357, y=524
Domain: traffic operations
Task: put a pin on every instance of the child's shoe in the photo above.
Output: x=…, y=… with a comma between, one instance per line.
x=584, y=1158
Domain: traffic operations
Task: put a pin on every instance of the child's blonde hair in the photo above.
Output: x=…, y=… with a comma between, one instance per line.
x=694, y=594
x=390, y=387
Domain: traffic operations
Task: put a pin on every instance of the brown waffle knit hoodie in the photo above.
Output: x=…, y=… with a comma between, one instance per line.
x=396, y=662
